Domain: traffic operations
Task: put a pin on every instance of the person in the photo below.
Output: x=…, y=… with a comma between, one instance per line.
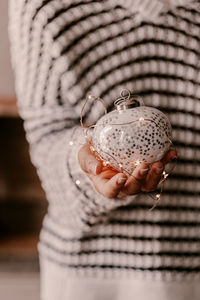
x=99, y=239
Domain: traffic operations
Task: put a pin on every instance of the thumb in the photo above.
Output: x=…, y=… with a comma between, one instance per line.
x=88, y=162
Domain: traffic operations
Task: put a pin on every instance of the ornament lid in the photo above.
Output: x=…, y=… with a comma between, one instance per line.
x=127, y=100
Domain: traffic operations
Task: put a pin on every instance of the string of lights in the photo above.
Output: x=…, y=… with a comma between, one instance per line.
x=127, y=101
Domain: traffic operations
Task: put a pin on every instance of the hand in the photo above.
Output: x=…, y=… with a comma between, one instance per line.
x=111, y=183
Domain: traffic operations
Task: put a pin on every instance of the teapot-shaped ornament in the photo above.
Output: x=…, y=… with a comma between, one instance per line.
x=131, y=134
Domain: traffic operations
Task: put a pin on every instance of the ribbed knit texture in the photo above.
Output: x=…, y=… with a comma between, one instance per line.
x=61, y=50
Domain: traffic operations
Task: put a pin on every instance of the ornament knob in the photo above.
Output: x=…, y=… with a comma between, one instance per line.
x=127, y=100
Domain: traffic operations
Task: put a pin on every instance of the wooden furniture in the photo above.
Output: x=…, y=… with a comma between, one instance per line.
x=22, y=200
x=8, y=108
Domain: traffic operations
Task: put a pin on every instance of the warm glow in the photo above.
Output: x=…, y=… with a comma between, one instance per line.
x=137, y=162
x=89, y=96
x=92, y=148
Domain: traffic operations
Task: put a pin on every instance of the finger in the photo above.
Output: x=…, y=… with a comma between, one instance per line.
x=121, y=195
x=88, y=162
x=110, y=188
x=134, y=182
x=108, y=173
x=153, y=177
x=169, y=156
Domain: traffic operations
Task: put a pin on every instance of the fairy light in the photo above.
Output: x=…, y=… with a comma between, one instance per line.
x=92, y=148
x=71, y=143
x=106, y=163
x=136, y=163
x=78, y=182
x=165, y=174
x=90, y=96
x=141, y=119
x=120, y=167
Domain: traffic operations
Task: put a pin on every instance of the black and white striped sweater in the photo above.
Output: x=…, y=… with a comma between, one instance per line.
x=63, y=49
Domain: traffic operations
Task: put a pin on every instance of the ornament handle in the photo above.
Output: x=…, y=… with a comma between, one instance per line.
x=128, y=100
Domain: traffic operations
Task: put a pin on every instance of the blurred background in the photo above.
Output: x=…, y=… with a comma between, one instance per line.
x=22, y=201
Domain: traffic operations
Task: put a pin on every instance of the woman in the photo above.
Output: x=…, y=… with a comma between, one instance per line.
x=95, y=244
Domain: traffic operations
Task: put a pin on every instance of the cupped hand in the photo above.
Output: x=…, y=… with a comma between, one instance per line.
x=111, y=183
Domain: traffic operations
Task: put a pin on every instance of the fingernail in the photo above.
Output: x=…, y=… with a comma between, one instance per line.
x=121, y=180
x=158, y=170
x=143, y=171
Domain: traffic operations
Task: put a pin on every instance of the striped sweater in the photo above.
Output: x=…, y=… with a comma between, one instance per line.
x=61, y=50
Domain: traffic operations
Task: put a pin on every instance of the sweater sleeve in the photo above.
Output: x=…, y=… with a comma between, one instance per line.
x=152, y=10
x=51, y=110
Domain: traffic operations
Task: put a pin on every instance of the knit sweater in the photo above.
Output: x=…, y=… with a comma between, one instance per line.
x=61, y=50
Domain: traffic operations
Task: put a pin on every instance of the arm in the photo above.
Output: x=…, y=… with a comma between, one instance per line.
x=50, y=117
x=51, y=110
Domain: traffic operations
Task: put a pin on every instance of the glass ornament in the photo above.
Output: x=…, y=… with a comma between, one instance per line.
x=131, y=134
